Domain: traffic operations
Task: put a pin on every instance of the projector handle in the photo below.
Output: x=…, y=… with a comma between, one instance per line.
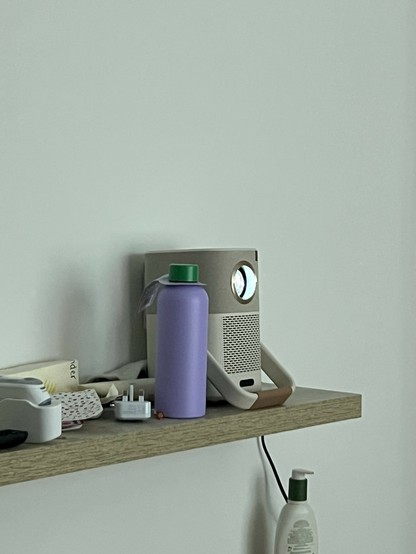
x=244, y=399
x=274, y=369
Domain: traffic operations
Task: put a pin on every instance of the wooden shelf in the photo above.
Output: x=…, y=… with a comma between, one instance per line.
x=104, y=441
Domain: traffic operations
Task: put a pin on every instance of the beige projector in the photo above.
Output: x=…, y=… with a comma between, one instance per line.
x=236, y=356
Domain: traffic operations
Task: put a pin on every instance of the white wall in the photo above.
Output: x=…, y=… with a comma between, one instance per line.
x=288, y=126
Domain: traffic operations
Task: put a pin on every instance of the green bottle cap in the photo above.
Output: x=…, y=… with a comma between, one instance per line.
x=184, y=273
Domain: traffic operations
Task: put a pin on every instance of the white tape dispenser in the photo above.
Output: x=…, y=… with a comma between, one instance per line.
x=25, y=405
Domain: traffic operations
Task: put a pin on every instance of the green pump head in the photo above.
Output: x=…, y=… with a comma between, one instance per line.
x=298, y=485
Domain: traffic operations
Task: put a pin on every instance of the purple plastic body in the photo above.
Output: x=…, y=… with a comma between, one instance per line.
x=181, y=351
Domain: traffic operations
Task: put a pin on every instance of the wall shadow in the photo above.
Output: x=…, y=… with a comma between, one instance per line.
x=257, y=530
x=137, y=320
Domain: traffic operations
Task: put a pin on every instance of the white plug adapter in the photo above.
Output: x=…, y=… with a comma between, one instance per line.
x=129, y=409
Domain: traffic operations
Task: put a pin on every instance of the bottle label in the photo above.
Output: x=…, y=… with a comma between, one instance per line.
x=152, y=290
x=149, y=294
x=301, y=539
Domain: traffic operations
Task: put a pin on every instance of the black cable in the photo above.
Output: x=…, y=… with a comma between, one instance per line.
x=279, y=482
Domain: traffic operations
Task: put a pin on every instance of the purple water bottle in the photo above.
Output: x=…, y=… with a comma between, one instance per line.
x=181, y=344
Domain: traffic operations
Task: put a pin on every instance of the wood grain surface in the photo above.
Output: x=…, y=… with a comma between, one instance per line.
x=106, y=441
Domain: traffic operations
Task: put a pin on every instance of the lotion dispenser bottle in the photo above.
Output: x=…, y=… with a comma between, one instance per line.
x=296, y=527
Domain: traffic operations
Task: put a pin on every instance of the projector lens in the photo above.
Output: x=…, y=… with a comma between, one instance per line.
x=243, y=282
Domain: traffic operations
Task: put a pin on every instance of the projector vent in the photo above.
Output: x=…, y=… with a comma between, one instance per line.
x=241, y=334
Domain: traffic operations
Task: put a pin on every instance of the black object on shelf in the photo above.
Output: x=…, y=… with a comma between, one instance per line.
x=12, y=437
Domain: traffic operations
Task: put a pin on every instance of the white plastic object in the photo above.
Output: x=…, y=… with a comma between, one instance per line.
x=27, y=388
x=42, y=423
x=296, y=527
x=299, y=474
x=129, y=409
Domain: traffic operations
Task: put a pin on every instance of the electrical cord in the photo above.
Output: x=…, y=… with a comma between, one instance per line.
x=276, y=475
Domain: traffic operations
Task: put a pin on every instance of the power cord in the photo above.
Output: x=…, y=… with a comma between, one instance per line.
x=276, y=475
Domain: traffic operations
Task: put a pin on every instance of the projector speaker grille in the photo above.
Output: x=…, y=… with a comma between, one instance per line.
x=241, y=334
